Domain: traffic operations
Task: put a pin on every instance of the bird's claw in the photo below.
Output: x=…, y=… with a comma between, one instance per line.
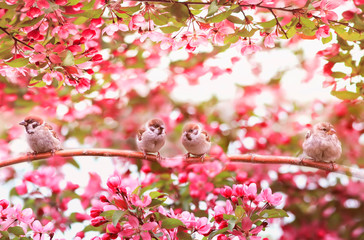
x=252, y=156
x=202, y=157
x=332, y=165
x=159, y=158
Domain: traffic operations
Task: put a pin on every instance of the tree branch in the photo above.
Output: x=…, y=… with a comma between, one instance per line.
x=248, y=158
x=278, y=23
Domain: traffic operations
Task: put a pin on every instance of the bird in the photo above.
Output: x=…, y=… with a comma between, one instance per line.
x=151, y=137
x=322, y=144
x=195, y=140
x=40, y=135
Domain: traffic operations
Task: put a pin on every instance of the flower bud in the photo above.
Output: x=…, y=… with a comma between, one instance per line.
x=98, y=221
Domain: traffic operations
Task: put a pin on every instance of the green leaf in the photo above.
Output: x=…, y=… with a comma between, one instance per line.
x=6, y=53
x=290, y=33
x=214, y=233
x=81, y=60
x=180, y=12
x=273, y=213
x=36, y=83
x=69, y=59
x=237, y=20
x=326, y=40
x=345, y=95
x=4, y=235
x=73, y=162
x=348, y=35
x=6, y=6
x=270, y=23
x=239, y=211
x=308, y=23
x=169, y=29
x=232, y=38
x=90, y=228
x=130, y=10
x=246, y=33
x=338, y=74
x=171, y=223
x=184, y=236
x=19, y=62
x=93, y=13
x=17, y=231
x=72, y=2
x=213, y=8
x=157, y=202
x=160, y=19
x=108, y=214
x=118, y=214
x=31, y=22
x=221, y=16
x=88, y=5
x=156, y=194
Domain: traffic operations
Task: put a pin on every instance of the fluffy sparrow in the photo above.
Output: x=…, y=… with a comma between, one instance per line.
x=322, y=144
x=151, y=137
x=195, y=140
x=40, y=135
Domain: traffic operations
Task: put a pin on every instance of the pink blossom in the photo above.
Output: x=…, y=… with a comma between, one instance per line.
x=21, y=189
x=83, y=85
x=139, y=231
x=114, y=183
x=227, y=192
x=48, y=77
x=273, y=199
x=325, y=9
x=323, y=32
x=220, y=30
x=246, y=224
x=202, y=226
x=248, y=48
x=136, y=22
x=228, y=209
x=112, y=28
x=135, y=200
x=269, y=40
x=250, y=191
x=39, y=230
x=153, y=36
x=25, y=216
x=34, y=12
x=93, y=187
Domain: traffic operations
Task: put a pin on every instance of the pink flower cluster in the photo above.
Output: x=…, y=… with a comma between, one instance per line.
x=24, y=218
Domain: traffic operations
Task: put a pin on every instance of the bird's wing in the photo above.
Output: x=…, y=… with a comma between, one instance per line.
x=50, y=128
x=140, y=133
x=206, y=136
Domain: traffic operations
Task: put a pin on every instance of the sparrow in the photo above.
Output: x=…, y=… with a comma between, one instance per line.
x=40, y=135
x=321, y=144
x=151, y=137
x=195, y=140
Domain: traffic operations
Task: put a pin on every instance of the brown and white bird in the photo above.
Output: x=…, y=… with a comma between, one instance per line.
x=40, y=135
x=151, y=137
x=195, y=140
x=321, y=144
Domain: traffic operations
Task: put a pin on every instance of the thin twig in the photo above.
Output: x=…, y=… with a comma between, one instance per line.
x=16, y=39
x=247, y=158
x=278, y=23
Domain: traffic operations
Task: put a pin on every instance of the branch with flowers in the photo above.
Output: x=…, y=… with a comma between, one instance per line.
x=247, y=158
x=62, y=43
x=141, y=214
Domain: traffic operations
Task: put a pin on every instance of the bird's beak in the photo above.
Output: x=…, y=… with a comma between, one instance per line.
x=23, y=123
x=331, y=131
